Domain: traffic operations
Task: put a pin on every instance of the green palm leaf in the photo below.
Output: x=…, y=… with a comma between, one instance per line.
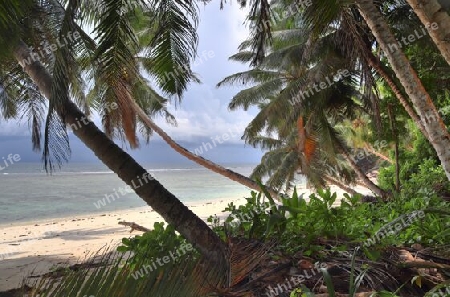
x=173, y=45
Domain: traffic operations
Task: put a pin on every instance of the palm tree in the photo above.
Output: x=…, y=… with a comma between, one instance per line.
x=422, y=102
x=321, y=15
x=437, y=21
x=148, y=102
x=308, y=146
x=57, y=78
x=363, y=44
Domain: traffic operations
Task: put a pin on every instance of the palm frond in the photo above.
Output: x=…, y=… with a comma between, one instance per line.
x=12, y=13
x=285, y=170
x=174, y=44
x=33, y=104
x=117, y=42
x=265, y=143
x=151, y=102
x=249, y=77
x=65, y=69
x=188, y=276
x=321, y=14
x=261, y=26
x=256, y=94
x=242, y=56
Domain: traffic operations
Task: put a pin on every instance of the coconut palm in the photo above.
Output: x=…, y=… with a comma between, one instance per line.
x=320, y=15
x=299, y=116
x=437, y=131
x=57, y=76
x=147, y=101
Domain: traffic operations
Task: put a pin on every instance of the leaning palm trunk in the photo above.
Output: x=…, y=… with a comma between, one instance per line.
x=364, y=179
x=344, y=187
x=435, y=127
x=151, y=191
x=378, y=154
x=197, y=159
x=430, y=12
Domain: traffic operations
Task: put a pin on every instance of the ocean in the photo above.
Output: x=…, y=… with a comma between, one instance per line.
x=28, y=194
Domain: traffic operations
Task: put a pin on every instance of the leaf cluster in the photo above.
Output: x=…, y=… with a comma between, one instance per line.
x=151, y=245
x=305, y=223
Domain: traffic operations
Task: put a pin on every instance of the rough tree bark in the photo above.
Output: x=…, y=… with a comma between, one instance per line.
x=429, y=12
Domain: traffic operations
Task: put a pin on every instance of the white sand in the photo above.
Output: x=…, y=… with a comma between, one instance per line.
x=34, y=248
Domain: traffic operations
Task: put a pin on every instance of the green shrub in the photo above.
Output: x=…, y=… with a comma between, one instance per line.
x=298, y=225
x=153, y=244
x=414, y=177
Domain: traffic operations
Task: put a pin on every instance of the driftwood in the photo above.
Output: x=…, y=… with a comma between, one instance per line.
x=134, y=226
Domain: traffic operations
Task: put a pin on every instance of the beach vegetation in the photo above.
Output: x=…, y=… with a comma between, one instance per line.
x=313, y=229
x=156, y=243
x=339, y=99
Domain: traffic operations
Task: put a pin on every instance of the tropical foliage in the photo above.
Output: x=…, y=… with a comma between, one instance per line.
x=314, y=120
x=318, y=230
x=331, y=81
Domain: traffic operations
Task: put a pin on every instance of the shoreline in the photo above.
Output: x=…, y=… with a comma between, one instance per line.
x=36, y=247
x=86, y=215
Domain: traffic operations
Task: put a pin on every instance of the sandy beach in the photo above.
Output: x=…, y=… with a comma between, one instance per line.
x=35, y=248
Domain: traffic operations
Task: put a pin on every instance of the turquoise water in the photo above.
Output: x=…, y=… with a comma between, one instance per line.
x=27, y=193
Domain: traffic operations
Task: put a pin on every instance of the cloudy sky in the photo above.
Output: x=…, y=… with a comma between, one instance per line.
x=202, y=114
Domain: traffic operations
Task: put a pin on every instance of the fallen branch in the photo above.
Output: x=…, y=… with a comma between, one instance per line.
x=134, y=226
x=423, y=264
x=364, y=294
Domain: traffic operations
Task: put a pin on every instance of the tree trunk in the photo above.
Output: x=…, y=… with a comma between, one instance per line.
x=431, y=12
x=364, y=179
x=435, y=127
x=396, y=149
x=378, y=154
x=340, y=185
x=234, y=176
x=150, y=190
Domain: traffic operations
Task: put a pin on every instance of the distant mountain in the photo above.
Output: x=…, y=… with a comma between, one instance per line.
x=157, y=152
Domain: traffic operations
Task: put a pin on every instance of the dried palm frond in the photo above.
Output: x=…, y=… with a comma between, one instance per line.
x=189, y=276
